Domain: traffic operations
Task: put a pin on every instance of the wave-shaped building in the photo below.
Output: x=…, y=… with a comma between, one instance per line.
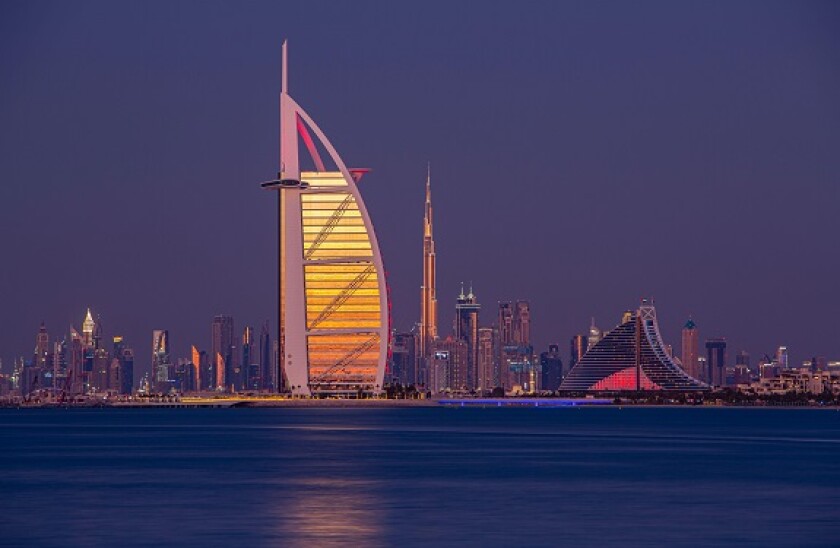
x=333, y=309
x=630, y=357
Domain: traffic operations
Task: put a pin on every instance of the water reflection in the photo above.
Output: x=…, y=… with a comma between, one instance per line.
x=329, y=511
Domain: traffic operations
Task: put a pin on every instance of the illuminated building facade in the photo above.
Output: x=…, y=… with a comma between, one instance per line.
x=595, y=334
x=333, y=309
x=488, y=365
x=630, y=357
x=222, y=351
x=161, y=362
x=466, y=329
x=448, y=369
x=428, y=291
x=689, y=351
x=577, y=348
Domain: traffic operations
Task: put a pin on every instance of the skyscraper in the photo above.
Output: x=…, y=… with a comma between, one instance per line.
x=222, y=351
x=488, y=370
x=522, y=323
x=333, y=309
x=515, y=351
x=403, y=358
x=578, y=347
x=551, y=368
x=161, y=362
x=250, y=367
x=782, y=357
x=716, y=361
x=594, y=335
x=505, y=323
x=428, y=295
x=689, y=351
x=77, y=368
x=466, y=329
x=448, y=370
x=267, y=373
x=87, y=330
x=42, y=348
x=123, y=382
x=197, y=363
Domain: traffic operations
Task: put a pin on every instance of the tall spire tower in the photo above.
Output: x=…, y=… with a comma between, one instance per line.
x=428, y=298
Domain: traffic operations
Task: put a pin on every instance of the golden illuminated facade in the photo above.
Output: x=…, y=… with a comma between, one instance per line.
x=333, y=299
x=428, y=296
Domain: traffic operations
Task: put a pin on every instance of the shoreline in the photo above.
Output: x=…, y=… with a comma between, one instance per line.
x=282, y=403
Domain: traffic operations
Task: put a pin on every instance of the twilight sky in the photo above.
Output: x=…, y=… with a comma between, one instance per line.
x=584, y=154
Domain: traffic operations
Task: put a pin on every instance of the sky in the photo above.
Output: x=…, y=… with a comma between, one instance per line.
x=583, y=155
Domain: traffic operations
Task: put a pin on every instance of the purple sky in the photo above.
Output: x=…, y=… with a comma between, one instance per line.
x=583, y=155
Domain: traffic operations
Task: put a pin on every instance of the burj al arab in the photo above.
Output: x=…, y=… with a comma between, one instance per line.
x=333, y=302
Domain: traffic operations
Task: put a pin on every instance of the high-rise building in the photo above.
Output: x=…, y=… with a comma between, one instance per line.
x=59, y=365
x=448, y=369
x=716, y=361
x=267, y=374
x=515, y=353
x=206, y=371
x=522, y=323
x=505, y=323
x=42, y=348
x=689, y=354
x=77, y=373
x=403, y=359
x=101, y=374
x=551, y=368
x=250, y=366
x=222, y=351
x=466, y=329
x=195, y=354
x=630, y=357
x=578, y=347
x=488, y=369
x=87, y=330
x=161, y=362
x=428, y=291
x=594, y=335
x=125, y=356
x=333, y=310
x=183, y=377
x=782, y=357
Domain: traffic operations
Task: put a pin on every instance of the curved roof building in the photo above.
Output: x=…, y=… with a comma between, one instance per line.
x=630, y=357
x=333, y=309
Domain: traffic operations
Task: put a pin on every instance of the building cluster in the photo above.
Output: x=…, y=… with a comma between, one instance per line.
x=82, y=364
x=78, y=363
x=233, y=363
x=500, y=358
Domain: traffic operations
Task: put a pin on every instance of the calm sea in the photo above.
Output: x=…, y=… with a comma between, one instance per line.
x=420, y=476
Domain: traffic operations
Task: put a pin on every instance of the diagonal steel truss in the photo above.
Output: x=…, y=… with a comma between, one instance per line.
x=342, y=297
x=328, y=227
x=348, y=358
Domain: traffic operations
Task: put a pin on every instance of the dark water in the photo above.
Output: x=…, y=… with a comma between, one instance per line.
x=420, y=476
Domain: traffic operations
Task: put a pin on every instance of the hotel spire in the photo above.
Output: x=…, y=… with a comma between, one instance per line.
x=428, y=298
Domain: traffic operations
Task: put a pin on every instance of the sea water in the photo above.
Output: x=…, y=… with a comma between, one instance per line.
x=420, y=476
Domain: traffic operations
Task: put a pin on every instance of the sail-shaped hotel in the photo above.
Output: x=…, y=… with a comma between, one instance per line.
x=333, y=309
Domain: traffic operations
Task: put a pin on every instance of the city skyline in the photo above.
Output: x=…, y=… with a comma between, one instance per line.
x=740, y=274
